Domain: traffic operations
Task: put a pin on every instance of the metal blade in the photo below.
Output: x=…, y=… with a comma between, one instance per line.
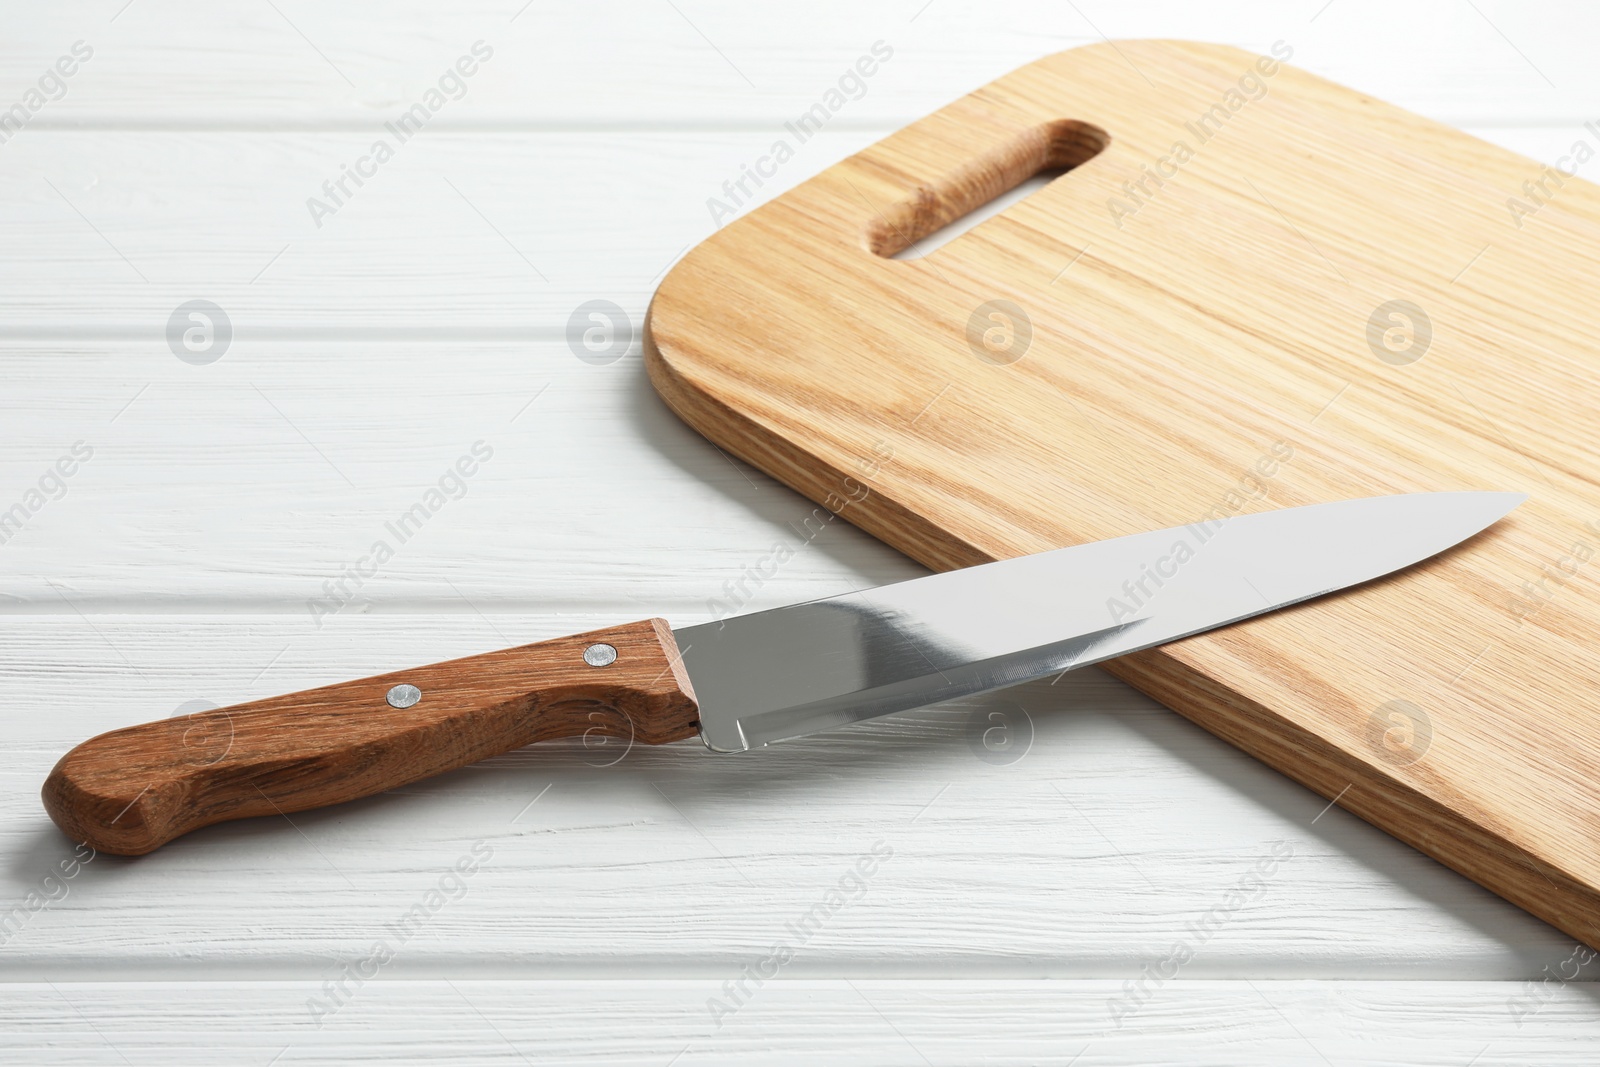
x=795, y=670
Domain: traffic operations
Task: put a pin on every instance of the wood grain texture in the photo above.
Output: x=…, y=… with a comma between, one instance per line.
x=132, y=790
x=1213, y=343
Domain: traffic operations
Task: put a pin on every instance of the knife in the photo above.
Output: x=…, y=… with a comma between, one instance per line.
x=748, y=681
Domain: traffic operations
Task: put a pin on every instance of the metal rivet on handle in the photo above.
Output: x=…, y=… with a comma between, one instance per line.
x=601, y=655
x=403, y=696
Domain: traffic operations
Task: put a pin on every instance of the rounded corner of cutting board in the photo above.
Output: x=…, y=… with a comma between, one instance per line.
x=669, y=364
x=695, y=361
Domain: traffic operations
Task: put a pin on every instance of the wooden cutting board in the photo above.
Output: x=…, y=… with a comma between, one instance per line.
x=1253, y=289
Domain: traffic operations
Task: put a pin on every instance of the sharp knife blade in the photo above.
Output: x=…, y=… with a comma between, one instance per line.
x=791, y=671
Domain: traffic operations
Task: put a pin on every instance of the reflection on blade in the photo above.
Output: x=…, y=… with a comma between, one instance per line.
x=796, y=670
x=878, y=664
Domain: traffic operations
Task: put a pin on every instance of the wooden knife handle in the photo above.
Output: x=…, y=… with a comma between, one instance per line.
x=132, y=790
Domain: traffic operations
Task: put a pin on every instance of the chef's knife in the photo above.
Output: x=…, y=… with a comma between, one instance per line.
x=746, y=681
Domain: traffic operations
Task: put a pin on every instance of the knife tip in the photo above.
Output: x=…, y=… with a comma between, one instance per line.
x=1510, y=500
x=1485, y=507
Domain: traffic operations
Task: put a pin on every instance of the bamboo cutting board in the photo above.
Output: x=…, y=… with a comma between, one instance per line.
x=1251, y=289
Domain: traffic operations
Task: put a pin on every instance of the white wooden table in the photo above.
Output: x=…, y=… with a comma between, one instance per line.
x=1020, y=908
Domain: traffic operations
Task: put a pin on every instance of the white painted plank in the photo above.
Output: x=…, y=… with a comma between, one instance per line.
x=250, y=483
x=467, y=235
x=1111, y=837
x=881, y=1023
x=458, y=233
x=623, y=61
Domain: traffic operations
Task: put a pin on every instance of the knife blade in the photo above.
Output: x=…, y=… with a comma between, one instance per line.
x=790, y=671
x=747, y=681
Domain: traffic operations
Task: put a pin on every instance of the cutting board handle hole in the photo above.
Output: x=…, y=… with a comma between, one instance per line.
x=941, y=209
